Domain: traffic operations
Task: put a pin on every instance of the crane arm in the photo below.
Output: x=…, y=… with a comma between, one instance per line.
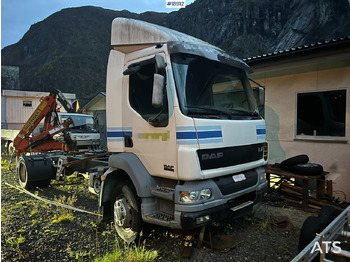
x=43, y=141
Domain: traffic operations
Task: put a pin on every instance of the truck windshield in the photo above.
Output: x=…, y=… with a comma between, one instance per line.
x=81, y=122
x=209, y=89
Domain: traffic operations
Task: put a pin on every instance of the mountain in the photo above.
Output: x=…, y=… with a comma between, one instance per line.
x=69, y=49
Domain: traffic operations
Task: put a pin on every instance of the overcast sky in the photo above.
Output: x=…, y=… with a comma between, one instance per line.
x=18, y=15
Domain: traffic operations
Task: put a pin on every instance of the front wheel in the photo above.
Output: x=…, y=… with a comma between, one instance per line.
x=126, y=212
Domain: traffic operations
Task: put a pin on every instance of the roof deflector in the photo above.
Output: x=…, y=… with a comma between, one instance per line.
x=126, y=32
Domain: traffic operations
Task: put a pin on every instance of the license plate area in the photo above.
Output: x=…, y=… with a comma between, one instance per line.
x=239, y=178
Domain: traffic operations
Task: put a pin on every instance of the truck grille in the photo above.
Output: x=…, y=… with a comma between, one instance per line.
x=229, y=156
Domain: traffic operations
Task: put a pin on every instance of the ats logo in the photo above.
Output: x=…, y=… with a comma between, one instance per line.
x=333, y=246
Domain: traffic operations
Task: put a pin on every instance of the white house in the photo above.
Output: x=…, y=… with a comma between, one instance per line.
x=17, y=106
x=307, y=106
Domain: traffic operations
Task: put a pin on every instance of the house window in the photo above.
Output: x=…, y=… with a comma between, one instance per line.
x=27, y=104
x=321, y=113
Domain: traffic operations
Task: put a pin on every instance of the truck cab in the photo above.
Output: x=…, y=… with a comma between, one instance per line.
x=187, y=139
x=83, y=132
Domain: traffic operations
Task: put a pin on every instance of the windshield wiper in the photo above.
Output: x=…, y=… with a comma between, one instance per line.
x=223, y=111
x=246, y=112
x=209, y=109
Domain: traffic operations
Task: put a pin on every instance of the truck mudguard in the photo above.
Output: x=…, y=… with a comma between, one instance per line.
x=133, y=167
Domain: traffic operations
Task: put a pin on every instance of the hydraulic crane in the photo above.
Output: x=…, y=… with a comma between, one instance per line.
x=47, y=163
x=44, y=141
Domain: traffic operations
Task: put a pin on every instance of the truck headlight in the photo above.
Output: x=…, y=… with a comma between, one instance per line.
x=194, y=196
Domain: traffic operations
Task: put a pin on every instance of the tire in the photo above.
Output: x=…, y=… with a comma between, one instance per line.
x=311, y=226
x=299, y=159
x=327, y=214
x=126, y=208
x=308, y=169
x=33, y=171
x=10, y=149
x=23, y=174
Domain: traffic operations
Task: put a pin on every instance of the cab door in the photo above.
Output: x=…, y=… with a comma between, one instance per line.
x=150, y=128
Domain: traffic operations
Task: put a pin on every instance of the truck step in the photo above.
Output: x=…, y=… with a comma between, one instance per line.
x=163, y=192
x=160, y=218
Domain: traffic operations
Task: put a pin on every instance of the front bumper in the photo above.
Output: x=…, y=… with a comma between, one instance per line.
x=235, y=208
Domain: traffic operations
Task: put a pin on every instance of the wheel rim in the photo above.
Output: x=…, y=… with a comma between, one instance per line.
x=22, y=173
x=97, y=186
x=122, y=213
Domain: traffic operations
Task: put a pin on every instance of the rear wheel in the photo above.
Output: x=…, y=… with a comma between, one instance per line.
x=327, y=214
x=10, y=149
x=23, y=174
x=35, y=171
x=126, y=211
x=312, y=225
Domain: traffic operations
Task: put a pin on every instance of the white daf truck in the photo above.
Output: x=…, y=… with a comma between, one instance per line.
x=186, y=138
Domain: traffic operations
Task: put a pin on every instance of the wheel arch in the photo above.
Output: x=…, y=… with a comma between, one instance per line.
x=126, y=166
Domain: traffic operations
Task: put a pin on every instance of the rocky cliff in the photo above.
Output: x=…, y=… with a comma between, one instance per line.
x=69, y=49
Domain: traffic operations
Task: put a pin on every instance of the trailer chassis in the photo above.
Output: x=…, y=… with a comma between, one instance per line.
x=39, y=169
x=339, y=227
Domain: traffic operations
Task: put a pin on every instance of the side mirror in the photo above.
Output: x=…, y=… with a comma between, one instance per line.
x=160, y=64
x=158, y=87
x=261, y=96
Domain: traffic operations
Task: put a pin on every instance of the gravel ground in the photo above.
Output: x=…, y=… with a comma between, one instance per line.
x=31, y=230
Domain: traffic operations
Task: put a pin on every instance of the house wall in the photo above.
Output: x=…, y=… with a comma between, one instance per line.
x=99, y=105
x=97, y=108
x=280, y=114
x=14, y=114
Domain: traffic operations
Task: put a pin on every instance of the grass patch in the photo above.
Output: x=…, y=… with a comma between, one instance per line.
x=64, y=215
x=130, y=253
x=6, y=163
x=63, y=218
x=14, y=241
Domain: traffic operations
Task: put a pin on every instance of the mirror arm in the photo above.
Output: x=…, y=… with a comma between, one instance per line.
x=154, y=119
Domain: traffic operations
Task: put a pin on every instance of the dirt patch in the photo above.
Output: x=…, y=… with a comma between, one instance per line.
x=32, y=230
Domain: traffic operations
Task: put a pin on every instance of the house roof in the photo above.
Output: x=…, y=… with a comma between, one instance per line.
x=95, y=100
x=21, y=93
x=328, y=45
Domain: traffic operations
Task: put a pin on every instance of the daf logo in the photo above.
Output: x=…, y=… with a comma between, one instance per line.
x=212, y=156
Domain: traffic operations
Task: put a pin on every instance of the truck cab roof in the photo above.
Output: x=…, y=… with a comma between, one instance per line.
x=129, y=35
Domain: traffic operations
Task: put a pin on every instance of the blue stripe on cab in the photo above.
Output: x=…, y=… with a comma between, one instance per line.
x=261, y=131
x=209, y=134
x=186, y=135
x=118, y=134
x=201, y=135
